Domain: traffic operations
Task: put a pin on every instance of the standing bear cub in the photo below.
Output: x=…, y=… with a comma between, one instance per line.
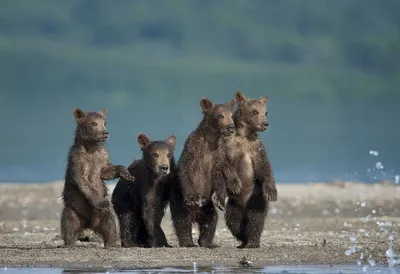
x=246, y=212
x=193, y=189
x=85, y=195
x=140, y=206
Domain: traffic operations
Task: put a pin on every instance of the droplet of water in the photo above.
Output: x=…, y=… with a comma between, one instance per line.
x=365, y=267
x=373, y=211
x=274, y=210
x=379, y=165
x=353, y=239
x=374, y=152
x=371, y=261
x=363, y=204
x=391, y=254
x=350, y=251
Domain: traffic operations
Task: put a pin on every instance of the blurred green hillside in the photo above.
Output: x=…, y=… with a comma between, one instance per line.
x=321, y=49
x=330, y=68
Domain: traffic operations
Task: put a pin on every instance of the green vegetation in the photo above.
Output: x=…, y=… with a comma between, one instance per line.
x=317, y=49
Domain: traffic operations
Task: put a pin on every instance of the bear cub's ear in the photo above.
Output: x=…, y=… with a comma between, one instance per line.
x=103, y=112
x=206, y=104
x=143, y=140
x=239, y=97
x=264, y=99
x=171, y=140
x=231, y=104
x=79, y=114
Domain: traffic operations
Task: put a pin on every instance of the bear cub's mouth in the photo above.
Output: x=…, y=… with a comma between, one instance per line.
x=162, y=173
x=227, y=132
x=104, y=138
x=162, y=170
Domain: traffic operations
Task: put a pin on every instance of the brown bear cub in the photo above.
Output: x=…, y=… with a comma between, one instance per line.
x=246, y=212
x=192, y=189
x=85, y=194
x=140, y=206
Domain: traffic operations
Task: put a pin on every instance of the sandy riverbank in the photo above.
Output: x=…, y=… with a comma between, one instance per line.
x=297, y=225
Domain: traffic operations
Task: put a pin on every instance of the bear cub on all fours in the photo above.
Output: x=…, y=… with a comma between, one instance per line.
x=140, y=206
x=85, y=195
x=246, y=212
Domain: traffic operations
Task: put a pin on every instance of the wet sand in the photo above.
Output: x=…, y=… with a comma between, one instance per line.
x=310, y=224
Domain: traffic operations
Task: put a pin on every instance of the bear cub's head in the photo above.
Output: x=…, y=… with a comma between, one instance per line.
x=91, y=126
x=219, y=116
x=158, y=155
x=252, y=112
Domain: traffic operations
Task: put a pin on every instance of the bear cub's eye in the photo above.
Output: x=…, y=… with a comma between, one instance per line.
x=220, y=116
x=94, y=124
x=255, y=112
x=169, y=155
x=155, y=154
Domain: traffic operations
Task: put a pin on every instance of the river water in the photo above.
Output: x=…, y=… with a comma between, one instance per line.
x=351, y=269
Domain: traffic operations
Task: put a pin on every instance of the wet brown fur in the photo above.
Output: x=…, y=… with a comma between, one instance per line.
x=85, y=195
x=140, y=206
x=193, y=188
x=246, y=212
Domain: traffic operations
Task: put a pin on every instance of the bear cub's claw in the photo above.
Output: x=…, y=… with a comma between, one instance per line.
x=218, y=202
x=271, y=194
x=124, y=174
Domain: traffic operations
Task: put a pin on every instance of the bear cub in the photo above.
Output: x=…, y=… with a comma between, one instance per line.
x=140, y=206
x=194, y=188
x=85, y=195
x=246, y=212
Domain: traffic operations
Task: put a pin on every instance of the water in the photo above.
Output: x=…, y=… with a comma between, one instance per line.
x=305, y=142
x=214, y=269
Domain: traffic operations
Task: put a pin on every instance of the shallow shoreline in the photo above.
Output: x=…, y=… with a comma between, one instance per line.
x=298, y=223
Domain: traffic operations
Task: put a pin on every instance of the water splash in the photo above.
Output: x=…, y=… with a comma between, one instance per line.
x=371, y=261
x=350, y=251
x=374, y=152
x=363, y=204
x=379, y=165
x=391, y=254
